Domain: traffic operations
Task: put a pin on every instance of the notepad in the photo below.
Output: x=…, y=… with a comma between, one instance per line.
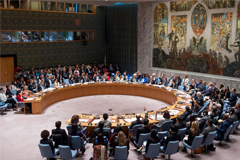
x=83, y=120
x=96, y=120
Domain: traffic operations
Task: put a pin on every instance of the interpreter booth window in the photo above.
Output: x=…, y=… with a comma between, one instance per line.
x=34, y=5
x=26, y=36
x=53, y=36
x=16, y=36
x=14, y=4
x=61, y=36
x=43, y=6
x=91, y=36
x=69, y=36
x=77, y=35
x=6, y=36
x=44, y=36
x=60, y=7
x=83, y=8
x=76, y=7
x=36, y=36
x=68, y=7
x=90, y=8
x=52, y=6
x=3, y=3
x=24, y=4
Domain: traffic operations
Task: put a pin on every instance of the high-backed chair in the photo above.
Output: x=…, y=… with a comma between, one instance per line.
x=153, y=150
x=20, y=105
x=209, y=139
x=164, y=127
x=172, y=148
x=142, y=137
x=134, y=129
x=162, y=134
x=234, y=126
x=66, y=152
x=195, y=144
x=3, y=106
x=76, y=142
x=121, y=152
x=182, y=133
x=57, y=138
x=46, y=151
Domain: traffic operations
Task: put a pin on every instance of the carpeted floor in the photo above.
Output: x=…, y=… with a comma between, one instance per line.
x=20, y=134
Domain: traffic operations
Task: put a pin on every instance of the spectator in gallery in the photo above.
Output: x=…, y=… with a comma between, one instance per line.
x=226, y=93
x=45, y=140
x=75, y=120
x=14, y=85
x=166, y=117
x=194, y=84
x=185, y=82
x=100, y=149
x=233, y=97
x=191, y=90
x=203, y=86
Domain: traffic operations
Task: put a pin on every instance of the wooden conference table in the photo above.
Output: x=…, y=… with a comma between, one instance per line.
x=42, y=100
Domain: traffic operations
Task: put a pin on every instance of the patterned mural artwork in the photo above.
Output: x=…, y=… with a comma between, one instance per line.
x=160, y=25
x=177, y=6
x=216, y=4
x=199, y=20
x=221, y=30
x=178, y=35
x=223, y=56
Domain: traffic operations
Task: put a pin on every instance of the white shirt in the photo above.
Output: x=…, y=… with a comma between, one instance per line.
x=3, y=97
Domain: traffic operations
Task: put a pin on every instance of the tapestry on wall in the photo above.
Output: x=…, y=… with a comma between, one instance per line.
x=223, y=56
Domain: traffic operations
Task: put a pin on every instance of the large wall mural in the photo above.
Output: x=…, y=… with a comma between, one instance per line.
x=177, y=6
x=160, y=25
x=216, y=4
x=221, y=30
x=223, y=55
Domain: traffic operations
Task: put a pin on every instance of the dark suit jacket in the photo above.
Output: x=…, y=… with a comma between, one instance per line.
x=172, y=137
x=186, y=114
x=233, y=118
x=207, y=130
x=199, y=101
x=63, y=133
x=208, y=91
x=203, y=88
x=31, y=86
x=232, y=100
x=222, y=129
x=214, y=114
x=203, y=121
x=180, y=125
x=151, y=140
x=39, y=88
x=9, y=93
x=142, y=130
x=227, y=94
x=98, y=130
x=238, y=113
x=135, y=123
x=47, y=141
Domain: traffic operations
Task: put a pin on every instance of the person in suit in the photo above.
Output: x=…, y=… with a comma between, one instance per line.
x=237, y=107
x=177, y=81
x=120, y=141
x=187, y=112
x=179, y=123
x=233, y=117
x=153, y=79
x=185, y=82
x=48, y=82
x=226, y=93
x=203, y=86
x=104, y=78
x=46, y=140
x=208, y=91
x=173, y=136
x=198, y=103
x=138, y=76
x=40, y=86
x=166, y=117
x=138, y=121
x=209, y=128
x=86, y=79
x=9, y=93
x=173, y=84
x=6, y=99
x=31, y=86
x=60, y=131
x=100, y=130
x=134, y=78
x=222, y=128
x=107, y=123
x=191, y=90
x=221, y=90
x=153, y=139
x=125, y=77
x=214, y=112
x=143, y=129
x=233, y=97
x=194, y=131
x=203, y=120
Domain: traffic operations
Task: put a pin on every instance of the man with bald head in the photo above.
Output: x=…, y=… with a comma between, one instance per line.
x=138, y=121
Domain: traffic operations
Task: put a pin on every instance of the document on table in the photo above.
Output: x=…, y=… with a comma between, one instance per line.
x=96, y=120
x=83, y=120
x=29, y=99
x=130, y=119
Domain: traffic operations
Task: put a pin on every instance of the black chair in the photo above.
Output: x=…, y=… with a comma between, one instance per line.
x=57, y=138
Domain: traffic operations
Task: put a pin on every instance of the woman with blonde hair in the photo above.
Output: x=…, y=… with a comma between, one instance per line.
x=194, y=131
x=121, y=141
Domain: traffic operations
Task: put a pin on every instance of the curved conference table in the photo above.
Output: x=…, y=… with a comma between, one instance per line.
x=176, y=99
